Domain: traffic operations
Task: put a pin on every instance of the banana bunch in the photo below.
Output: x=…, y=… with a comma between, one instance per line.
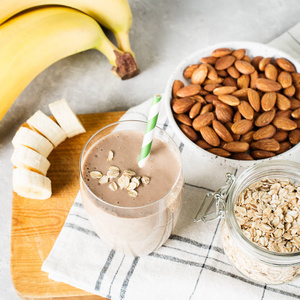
x=34, y=39
x=32, y=147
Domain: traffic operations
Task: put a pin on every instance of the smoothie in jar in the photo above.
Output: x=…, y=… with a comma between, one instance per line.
x=132, y=209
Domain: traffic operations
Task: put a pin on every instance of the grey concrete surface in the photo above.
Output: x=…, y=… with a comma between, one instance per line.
x=163, y=33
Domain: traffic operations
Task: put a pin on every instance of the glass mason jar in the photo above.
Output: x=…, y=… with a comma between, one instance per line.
x=252, y=260
x=137, y=230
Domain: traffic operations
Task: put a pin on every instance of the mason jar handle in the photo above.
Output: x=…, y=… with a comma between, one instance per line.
x=219, y=198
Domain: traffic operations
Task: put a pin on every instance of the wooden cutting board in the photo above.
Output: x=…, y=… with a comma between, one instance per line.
x=37, y=223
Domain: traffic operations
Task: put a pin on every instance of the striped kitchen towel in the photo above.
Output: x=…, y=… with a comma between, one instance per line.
x=190, y=265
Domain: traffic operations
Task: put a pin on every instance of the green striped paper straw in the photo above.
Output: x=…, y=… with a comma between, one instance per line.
x=149, y=132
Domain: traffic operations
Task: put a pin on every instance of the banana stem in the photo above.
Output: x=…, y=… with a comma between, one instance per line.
x=124, y=64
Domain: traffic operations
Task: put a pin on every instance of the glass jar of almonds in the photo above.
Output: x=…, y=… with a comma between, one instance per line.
x=261, y=220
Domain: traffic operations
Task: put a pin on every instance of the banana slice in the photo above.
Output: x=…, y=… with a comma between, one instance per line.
x=31, y=185
x=24, y=157
x=66, y=118
x=47, y=127
x=32, y=140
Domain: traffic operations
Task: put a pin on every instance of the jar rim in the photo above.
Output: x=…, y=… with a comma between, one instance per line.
x=257, y=252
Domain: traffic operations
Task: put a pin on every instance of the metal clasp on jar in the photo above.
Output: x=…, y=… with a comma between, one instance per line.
x=219, y=198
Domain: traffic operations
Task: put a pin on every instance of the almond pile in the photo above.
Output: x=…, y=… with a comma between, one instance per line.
x=239, y=107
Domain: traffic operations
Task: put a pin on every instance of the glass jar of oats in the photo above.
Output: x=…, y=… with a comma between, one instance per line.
x=261, y=220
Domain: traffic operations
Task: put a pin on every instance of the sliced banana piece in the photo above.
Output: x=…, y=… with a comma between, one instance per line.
x=31, y=185
x=66, y=118
x=47, y=127
x=24, y=157
x=33, y=140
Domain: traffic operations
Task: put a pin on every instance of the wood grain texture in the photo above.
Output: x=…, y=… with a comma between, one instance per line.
x=37, y=223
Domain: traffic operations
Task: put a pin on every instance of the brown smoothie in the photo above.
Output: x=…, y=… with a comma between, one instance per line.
x=137, y=223
x=162, y=168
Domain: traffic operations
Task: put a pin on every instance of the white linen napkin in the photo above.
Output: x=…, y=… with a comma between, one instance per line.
x=190, y=265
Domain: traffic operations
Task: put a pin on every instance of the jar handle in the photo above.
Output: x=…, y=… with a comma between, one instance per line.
x=218, y=197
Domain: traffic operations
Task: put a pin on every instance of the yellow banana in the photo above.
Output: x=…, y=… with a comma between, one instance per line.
x=33, y=40
x=113, y=14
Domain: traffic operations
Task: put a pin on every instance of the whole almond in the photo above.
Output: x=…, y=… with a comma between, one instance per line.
x=271, y=72
x=199, y=98
x=294, y=136
x=242, y=156
x=254, y=99
x=229, y=100
x=224, y=62
x=183, y=118
x=284, y=147
x=295, y=77
x=297, y=90
x=236, y=146
x=183, y=105
x=253, y=77
x=283, y=103
x=177, y=85
x=244, y=67
x=237, y=116
x=222, y=131
x=256, y=60
x=206, y=108
x=209, y=135
x=247, y=58
x=199, y=74
x=224, y=90
x=265, y=132
x=233, y=72
x=222, y=73
x=280, y=136
x=298, y=123
x=260, y=154
x=242, y=93
x=284, y=113
x=247, y=137
x=265, y=118
x=243, y=81
x=267, y=145
x=209, y=60
x=224, y=113
x=189, y=132
x=285, y=79
x=285, y=64
x=189, y=70
x=246, y=110
x=242, y=126
x=207, y=81
x=211, y=87
x=290, y=91
x=263, y=63
x=219, y=152
x=284, y=123
x=203, y=144
x=203, y=120
x=239, y=53
x=212, y=73
x=189, y=90
x=210, y=98
x=268, y=101
x=267, y=85
x=195, y=110
x=229, y=81
x=221, y=52
x=296, y=114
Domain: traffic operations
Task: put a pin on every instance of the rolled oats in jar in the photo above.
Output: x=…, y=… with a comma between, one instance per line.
x=261, y=227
